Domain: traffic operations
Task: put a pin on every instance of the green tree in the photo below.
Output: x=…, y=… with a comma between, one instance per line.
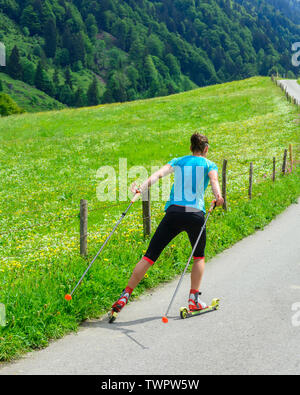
x=8, y=106
x=37, y=51
x=80, y=99
x=42, y=80
x=133, y=76
x=91, y=26
x=62, y=57
x=14, y=67
x=120, y=30
x=56, y=77
x=155, y=46
x=290, y=75
x=116, y=88
x=28, y=71
x=68, y=77
x=66, y=95
x=10, y=7
x=136, y=50
x=93, y=94
x=50, y=36
x=151, y=76
x=173, y=65
x=30, y=19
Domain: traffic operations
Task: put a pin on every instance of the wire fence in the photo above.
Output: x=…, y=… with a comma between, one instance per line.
x=57, y=219
x=259, y=172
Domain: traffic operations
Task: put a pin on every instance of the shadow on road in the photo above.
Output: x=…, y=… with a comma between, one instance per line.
x=122, y=327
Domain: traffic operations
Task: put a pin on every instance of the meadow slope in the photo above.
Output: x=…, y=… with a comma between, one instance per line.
x=49, y=161
x=28, y=97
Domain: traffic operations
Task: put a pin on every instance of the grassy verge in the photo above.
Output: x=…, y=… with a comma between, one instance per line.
x=35, y=304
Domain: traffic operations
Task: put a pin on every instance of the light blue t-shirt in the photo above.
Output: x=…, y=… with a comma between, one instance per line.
x=190, y=181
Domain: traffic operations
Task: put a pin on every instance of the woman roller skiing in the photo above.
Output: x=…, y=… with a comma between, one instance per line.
x=184, y=211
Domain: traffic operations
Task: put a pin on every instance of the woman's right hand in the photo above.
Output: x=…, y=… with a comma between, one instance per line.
x=134, y=188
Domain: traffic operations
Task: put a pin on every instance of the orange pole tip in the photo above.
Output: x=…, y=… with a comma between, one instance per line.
x=68, y=297
x=165, y=320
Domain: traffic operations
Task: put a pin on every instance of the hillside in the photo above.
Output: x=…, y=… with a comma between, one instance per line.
x=49, y=161
x=28, y=97
x=127, y=50
x=290, y=8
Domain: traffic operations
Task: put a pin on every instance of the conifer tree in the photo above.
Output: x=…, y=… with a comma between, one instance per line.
x=28, y=71
x=50, y=35
x=14, y=67
x=68, y=78
x=80, y=99
x=42, y=80
x=93, y=94
x=56, y=77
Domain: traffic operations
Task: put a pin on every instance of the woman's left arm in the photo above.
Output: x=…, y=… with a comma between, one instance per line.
x=214, y=181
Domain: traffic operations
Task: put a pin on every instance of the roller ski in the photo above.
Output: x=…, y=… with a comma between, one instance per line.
x=197, y=307
x=119, y=305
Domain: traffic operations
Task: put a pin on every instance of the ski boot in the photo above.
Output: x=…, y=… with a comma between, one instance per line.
x=197, y=307
x=195, y=304
x=119, y=304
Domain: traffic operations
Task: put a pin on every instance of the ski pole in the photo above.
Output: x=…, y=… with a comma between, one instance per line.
x=135, y=198
x=212, y=207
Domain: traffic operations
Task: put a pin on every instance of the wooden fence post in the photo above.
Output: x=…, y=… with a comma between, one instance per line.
x=274, y=169
x=284, y=162
x=146, y=212
x=224, y=181
x=83, y=226
x=250, y=180
x=291, y=156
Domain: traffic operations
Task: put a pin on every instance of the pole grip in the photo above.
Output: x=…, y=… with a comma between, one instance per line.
x=136, y=196
x=213, y=206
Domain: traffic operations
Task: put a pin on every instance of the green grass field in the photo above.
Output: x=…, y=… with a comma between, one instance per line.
x=48, y=162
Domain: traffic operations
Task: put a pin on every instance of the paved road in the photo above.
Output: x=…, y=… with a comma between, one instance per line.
x=292, y=87
x=256, y=330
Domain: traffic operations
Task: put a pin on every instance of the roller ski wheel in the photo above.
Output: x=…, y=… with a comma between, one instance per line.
x=215, y=303
x=112, y=316
x=186, y=313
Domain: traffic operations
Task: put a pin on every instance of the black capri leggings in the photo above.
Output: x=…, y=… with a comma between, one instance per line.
x=175, y=221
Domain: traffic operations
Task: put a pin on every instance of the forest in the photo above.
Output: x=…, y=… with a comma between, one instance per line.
x=86, y=52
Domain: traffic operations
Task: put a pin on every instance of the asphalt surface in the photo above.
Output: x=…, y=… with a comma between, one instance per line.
x=293, y=88
x=256, y=330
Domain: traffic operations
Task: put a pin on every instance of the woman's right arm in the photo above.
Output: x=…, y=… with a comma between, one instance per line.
x=162, y=172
